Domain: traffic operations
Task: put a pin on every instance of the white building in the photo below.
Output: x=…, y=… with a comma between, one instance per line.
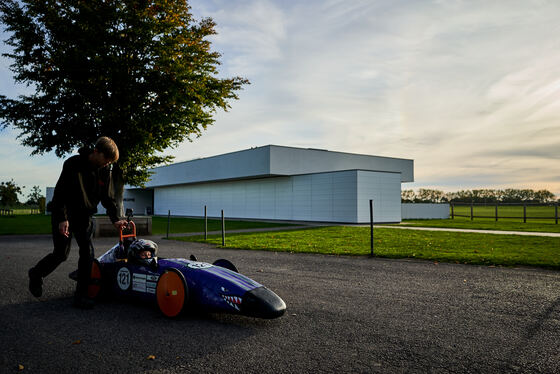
x=279, y=183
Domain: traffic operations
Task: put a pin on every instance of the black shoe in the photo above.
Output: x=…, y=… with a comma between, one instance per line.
x=35, y=284
x=83, y=302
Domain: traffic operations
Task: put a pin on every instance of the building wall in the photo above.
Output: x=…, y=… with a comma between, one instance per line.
x=235, y=165
x=277, y=182
x=301, y=198
x=137, y=199
x=385, y=191
x=297, y=161
x=274, y=161
x=48, y=197
x=324, y=197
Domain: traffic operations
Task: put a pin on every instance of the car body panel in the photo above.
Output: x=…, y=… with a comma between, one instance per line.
x=210, y=287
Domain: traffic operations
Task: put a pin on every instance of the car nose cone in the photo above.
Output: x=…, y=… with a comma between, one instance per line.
x=262, y=303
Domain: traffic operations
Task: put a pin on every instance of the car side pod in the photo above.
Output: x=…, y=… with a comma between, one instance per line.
x=262, y=303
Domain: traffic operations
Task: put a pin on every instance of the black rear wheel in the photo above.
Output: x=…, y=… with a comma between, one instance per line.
x=225, y=264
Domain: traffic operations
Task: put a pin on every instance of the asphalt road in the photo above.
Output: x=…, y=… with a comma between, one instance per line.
x=345, y=314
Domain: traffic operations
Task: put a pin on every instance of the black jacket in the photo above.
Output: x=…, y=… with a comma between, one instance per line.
x=80, y=188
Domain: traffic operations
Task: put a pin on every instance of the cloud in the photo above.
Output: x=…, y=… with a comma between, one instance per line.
x=455, y=85
x=249, y=33
x=468, y=89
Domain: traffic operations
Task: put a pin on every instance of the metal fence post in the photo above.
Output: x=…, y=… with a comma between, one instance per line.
x=452, y=211
x=556, y=213
x=205, y=224
x=524, y=212
x=471, y=210
x=371, y=225
x=223, y=230
x=168, y=219
x=496, y=211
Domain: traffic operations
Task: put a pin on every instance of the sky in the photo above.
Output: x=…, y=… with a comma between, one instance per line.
x=470, y=90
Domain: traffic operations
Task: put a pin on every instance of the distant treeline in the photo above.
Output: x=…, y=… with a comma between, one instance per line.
x=509, y=195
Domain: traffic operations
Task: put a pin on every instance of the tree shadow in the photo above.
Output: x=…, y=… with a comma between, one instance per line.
x=52, y=336
x=525, y=346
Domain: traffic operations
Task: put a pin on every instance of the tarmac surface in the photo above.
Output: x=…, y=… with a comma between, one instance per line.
x=345, y=315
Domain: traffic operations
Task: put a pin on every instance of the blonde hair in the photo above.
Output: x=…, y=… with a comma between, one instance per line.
x=108, y=147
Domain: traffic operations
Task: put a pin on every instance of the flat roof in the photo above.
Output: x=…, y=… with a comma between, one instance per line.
x=274, y=160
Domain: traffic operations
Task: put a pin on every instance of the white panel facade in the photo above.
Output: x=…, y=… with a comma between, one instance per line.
x=276, y=182
x=327, y=197
x=273, y=160
x=137, y=199
x=49, y=195
x=243, y=164
x=140, y=201
x=301, y=201
x=295, y=161
x=344, y=202
x=385, y=190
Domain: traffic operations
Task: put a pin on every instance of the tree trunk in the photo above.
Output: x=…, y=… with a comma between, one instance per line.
x=117, y=189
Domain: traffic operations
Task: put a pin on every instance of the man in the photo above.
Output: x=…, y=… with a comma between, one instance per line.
x=84, y=182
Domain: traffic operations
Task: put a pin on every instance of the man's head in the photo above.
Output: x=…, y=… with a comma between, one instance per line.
x=105, y=152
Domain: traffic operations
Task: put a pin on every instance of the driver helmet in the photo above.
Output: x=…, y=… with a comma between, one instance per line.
x=137, y=249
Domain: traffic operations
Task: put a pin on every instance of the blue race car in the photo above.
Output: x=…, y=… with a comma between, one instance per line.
x=131, y=269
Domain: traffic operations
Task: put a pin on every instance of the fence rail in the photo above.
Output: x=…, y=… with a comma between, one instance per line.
x=6, y=212
x=18, y=211
x=496, y=211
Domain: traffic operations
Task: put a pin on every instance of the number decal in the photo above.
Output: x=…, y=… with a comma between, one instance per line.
x=123, y=278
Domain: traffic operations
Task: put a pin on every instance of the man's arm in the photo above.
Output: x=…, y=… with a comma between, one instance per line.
x=109, y=203
x=61, y=195
x=111, y=207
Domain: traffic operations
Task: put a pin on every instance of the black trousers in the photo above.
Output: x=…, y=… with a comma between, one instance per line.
x=82, y=229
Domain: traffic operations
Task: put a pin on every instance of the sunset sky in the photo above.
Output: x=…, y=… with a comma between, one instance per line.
x=470, y=90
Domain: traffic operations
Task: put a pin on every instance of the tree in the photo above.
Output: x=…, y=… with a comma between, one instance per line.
x=407, y=196
x=139, y=71
x=9, y=192
x=509, y=195
x=34, y=196
x=426, y=195
x=544, y=196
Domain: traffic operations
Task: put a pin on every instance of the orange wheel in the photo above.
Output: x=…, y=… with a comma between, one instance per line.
x=95, y=280
x=171, y=293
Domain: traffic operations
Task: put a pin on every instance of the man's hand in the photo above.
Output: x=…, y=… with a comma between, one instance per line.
x=120, y=224
x=63, y=228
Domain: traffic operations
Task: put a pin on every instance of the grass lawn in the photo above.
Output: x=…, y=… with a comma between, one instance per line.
x=470, y=248
x=506, y=211
x=178, y=225
x=487, y=224
x=533, y=212
x=41, y=224
x=25, y=224
x=24, y=211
